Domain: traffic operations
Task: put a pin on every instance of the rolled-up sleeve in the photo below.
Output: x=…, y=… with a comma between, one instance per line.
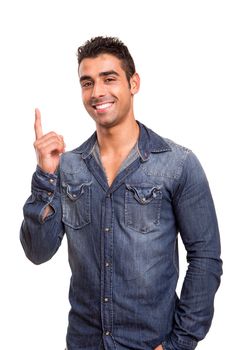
x=41, y=237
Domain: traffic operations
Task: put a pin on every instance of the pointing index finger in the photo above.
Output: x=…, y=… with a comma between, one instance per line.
x=37, y=125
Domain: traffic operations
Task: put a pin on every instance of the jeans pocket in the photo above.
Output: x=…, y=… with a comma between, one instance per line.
x=76, y=202
x=142, y=207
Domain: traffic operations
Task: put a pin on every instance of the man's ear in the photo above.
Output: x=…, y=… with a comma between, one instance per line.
x=134, y=83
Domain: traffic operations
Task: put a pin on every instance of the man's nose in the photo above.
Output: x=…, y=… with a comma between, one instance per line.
x=98, y=90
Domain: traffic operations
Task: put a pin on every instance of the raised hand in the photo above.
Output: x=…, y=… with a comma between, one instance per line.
x=48, y=147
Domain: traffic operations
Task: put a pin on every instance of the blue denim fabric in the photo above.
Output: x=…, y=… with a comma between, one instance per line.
x=122, y=244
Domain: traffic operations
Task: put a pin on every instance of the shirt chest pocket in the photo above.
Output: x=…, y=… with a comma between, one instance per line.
x=142, y=207
x=76, y=201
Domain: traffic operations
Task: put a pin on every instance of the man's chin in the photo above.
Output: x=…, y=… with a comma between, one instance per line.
x=105, y=122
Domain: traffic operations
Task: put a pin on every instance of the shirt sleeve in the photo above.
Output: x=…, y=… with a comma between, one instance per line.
x=39, y=236
x=198, y=227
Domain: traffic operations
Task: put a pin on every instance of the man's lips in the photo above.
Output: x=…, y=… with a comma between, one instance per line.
x=102, y=106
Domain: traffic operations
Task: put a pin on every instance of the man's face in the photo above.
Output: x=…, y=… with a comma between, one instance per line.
x=106, y=93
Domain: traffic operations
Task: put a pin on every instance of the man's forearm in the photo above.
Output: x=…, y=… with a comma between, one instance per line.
x=47, y=211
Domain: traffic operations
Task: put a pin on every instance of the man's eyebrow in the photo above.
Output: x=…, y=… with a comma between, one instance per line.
x=85, y=77
x=109, y=72
x=101, y=74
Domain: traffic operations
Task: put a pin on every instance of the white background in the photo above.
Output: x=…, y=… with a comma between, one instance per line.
x=183, y=53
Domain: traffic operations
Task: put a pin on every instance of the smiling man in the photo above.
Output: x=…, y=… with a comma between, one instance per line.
x=121, y=198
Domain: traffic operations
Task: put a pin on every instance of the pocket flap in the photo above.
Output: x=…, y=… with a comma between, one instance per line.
x=144, y=193
x=74, y=192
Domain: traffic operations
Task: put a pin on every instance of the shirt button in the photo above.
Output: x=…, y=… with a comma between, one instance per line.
x=107, y=264
x=51, y=181
x=106, y=300
x=107, y=333
x=107, y=229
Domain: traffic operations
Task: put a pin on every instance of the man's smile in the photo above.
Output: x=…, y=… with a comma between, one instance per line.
x=101, y=107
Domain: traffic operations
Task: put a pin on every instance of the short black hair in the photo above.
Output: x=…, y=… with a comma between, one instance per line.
x=110, y=45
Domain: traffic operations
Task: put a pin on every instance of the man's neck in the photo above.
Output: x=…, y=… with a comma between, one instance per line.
x=118, y=139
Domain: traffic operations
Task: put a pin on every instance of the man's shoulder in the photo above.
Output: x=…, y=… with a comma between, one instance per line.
x=168, y=160
x=177, y=147
x=169, y=144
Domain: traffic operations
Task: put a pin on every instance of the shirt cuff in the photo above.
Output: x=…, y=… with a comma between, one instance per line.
x=44, y=185
x=171, y=344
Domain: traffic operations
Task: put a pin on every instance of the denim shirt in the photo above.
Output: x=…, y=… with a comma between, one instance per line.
x=122, y=243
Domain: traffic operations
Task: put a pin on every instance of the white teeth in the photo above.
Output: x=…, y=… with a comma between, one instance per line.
x=103, y=106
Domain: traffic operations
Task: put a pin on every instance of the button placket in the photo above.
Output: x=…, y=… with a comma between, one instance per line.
x=107, y=263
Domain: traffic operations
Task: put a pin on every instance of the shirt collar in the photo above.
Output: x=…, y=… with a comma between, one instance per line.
x=148, y=142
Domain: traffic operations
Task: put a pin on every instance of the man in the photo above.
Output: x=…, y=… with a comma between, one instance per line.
x=121, y=198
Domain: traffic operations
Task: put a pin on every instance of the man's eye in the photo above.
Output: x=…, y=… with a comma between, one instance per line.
x=86, y=84
x=109, y=80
